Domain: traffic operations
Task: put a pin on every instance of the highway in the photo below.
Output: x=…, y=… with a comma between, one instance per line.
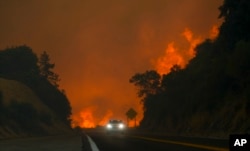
x=98, y=140
x=135, y=142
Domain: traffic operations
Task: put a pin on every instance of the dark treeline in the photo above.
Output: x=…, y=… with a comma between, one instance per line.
x=212, y=94
x=22, y=64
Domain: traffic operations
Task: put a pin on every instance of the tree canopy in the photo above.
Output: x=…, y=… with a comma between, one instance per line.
x=46, y=69
x=211, y=94
x=22, y=64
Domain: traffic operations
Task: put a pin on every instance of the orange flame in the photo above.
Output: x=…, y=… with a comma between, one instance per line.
x=193, y=42
x=175, y=56
x=214, y=32
x=87, y=119
x=84, y=119
x=171, y=57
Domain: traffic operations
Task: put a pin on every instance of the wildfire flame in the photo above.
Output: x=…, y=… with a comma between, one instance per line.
x=84, y=119
x=172, y=56
x=175, y=56
x=214, y=32
x=87, y=118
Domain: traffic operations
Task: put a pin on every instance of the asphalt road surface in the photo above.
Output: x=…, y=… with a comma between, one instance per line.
x=100, y=141
x=132, y=142
x=47, y=143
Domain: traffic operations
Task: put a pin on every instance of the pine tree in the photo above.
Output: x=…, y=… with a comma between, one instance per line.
x=46, y=69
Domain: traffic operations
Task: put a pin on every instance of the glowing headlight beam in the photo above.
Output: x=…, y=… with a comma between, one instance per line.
x=121, y=126
x=109, y=126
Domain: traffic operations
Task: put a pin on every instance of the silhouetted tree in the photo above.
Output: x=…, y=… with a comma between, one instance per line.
x=21, y=64
x=212, y=91
x=236, y=22
x=18, y=63
x=148, y=82
x=46, y=69
x=148, y=85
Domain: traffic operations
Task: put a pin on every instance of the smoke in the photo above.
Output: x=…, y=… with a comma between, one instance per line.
x=98, y=45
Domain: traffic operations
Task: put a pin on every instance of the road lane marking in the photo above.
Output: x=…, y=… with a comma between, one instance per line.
x=92, y=144
x=183, y=143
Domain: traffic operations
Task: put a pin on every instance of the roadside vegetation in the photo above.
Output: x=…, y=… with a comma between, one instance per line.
x=35, y=82
x=211, y=95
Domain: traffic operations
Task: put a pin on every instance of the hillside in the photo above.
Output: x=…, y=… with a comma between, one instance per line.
x=24, y=114
x=211, y=95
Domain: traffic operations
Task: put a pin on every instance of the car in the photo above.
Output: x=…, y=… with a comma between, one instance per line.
x=115, y=126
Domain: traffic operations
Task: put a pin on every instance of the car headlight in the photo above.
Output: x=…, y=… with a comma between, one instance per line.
x=109, y=126
x=121, y=126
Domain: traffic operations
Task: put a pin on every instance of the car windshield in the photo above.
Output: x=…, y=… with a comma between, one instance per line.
x=115, y=121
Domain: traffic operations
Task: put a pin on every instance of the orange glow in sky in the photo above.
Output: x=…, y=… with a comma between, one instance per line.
x=97, y=46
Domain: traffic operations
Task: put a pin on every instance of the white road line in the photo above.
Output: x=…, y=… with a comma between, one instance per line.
x=92, y=144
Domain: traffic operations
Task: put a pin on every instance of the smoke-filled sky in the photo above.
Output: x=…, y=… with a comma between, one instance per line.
x=98, y=45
